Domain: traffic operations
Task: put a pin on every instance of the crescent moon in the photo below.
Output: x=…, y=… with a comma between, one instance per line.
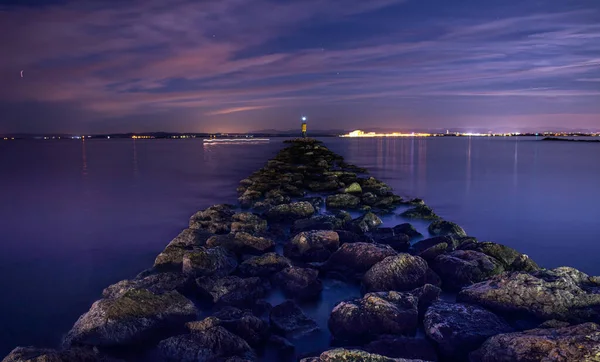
x=21, y=74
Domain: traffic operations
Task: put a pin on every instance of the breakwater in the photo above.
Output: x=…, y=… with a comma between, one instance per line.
x=312, y=224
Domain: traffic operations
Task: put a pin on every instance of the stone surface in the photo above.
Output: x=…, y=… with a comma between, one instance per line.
x=564, y=294
x=312, y=246
x=443, y=227
x=375, y=314
x=353, y=355
x=289, y=320
x=465, y=267
x=290, y=212
x=458, y=329
x=215, y=219
x=420, y=212
x=575, y=343
x=401, y=272
x=241, y=243
x=233, y=290
x=190, y=238
x=299, y=283
x=356, y=258
x=342, y=201
x=430, y=248
x=353, y=188
x=264, y=265
x=215, y=262
x=366, y=223
x=317, y=222
x=407, y=229
x=32, y=354
x=248, y=223
x=138, y=316
x=403, y=347
x=156, y=283
x=511, y=259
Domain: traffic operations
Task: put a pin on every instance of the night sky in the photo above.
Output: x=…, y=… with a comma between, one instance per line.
x=243, y=65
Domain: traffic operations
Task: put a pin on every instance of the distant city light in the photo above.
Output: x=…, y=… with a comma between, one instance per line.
x=304, y=118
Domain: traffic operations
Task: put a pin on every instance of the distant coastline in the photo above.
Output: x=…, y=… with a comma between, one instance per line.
x=567, y=140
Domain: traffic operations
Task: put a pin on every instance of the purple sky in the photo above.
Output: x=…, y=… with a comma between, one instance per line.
x=241, y=65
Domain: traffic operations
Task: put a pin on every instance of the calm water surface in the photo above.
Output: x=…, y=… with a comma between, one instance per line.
x=77, y=216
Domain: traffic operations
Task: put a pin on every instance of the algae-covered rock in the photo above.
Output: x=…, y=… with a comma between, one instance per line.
x=387, y=236
x=248, y=223
x=33, y=354
x=170, y=259
x=511, y=259
x=289, y=320
x=232, y=290
x=354, y=188
x=403, y=347
x=138, y=316
x=564, y=294
x=366, y=223
x=400, y=272
x=356, y=258
x=299, y=283
x=156, y=283
x=443, y=227
x=465, y=267
x=290, y=212
x=264, y=265
x=216, y=219
x=407, y=229
x=353, y=355
x=312, y=246
x=216, y=262
x=190, y=238
x=375, y=314
x=342, y=201
x=241, y=243
x=458, y=329
x=420, y=212
x=575, y=343
x=317, y=222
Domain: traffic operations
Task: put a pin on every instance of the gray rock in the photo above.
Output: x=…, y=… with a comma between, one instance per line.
x=248, y=223
x=299, y=283
x=156, y=283
x=465, y=267
x=511, y=259
x=232, y=290
x=190, y=238
x=401, y=272
x=366, y=223
x=576, y=343
x=264, y=265
x=216, y=262
x=356, y=258
x=216, y=219
x=342, y=201
x=420, y=212
x=241, y=243
x=33, y=354
x=403, y=347
x=312, y=246
x=138, y=316
x=290, y=212
x=170, y=259
x=443, y=227
x=289, y=320
x=375, y=314
x=458, y=329
x=565, y=294
x=353, y=355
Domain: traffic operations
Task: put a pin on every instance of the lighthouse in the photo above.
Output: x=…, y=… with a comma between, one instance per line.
x=303, y=127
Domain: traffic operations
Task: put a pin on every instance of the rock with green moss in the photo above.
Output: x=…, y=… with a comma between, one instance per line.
x=353, y=355
x=365, y=223
x=354, y=188
x=264, y=265
x=511, y=259
x=354, y=259
x=312, y=246
x=249, y=223
x=400, y=272
x=215, y=219
x=575, y=343
x=170, y=259
x=443, y=227
x=252, y=329
x=241, y=243
x=290, y=212
x=233, y=290
x=375, y=186
x=465, y=267
x=32, y=354
x=190, y=238
x=342, y=201
x=317, y=222
x=216, y=262
x=157, y=283
x=288, y=320
x=420, y=212
x=136, y=317
x=299, y=283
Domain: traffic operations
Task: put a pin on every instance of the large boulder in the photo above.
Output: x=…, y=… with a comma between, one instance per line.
x=33, y=354
x=190, y=238
x=575, y=343
x=299, y=283
x=443, y=227
x=170, y=259
x=355, y=259
x=353, y=355
x=233, y=290
x=420, y=212
x=248, y=223
x=353, y=188
x=342, y=201
x=429, y=249
x=264, y=265
x=289, y=320
x=407, y=229
x=317, y=222
x=465, y=267
x=387, y=236
x=215, y=262
x=458, y=329
x=312, y=246
x=564, y=294
x=216, y=219
x=214, y=344
x=403, y=347
x=375, y=314
x=399, y=272
x=156, y=283
x=375, y=186
x=241, y=243
x=138, y=316
x=244, y=324
x=290, y=212
x=511, y=259
x=366, y=223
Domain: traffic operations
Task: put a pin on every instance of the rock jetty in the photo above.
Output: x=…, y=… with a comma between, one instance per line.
x=242, y=281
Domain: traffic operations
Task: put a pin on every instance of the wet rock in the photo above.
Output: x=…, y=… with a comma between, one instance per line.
x=315, y=201
x=244, y=324
x=407, y=229
x=33, y=354
x=216, y=219
x=232, y=290
x=170, y=259
x=352, y=355
x=366, y=223
x=458, y=329
x=249, y=197
x=214, y=344
x=443, y=227
x=375, y=186
x=403, y=347
x=289, y=320
x=553, y=323
x=312, y=246
x=354, y=188
x=318, y=222
x=400, y=272
x=354, y=259
x=420, y=212
x=299, y=283
x=137, y=316
x=216, y=262
x=342, y=201
x=352, y=237
x=368, y=198
x=329, y=184
x=241, y=243
x=291, y=212
x=387, y=236
x=465, y=267
x=564, y=294
x=264, y=265
x=427, y=295
x=375, y=314
x=429, y=249
x=576, y=343
x=156, y=283
x=190, y=238
x=511, y=259
x=248, y=223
